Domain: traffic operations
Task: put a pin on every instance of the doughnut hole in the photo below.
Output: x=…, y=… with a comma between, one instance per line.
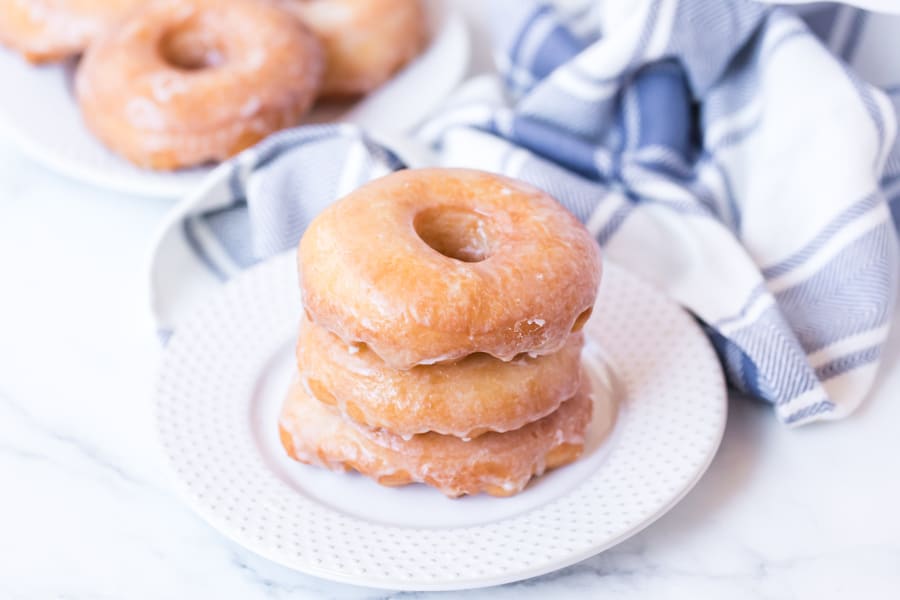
x=455, y=233
x=581, y=320
x=191, y=48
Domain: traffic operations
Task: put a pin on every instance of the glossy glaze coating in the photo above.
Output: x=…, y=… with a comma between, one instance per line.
x=50, y=30
x=467, y=398
x=430, y=265
x=183, y=82
x=500, y=464
x=365, y=41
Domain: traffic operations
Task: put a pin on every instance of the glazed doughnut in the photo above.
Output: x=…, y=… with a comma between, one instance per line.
x=465, y=399
x=365, y=41
x=48, y=30
x=431, y=265
x=500, y=464
x=185, y=82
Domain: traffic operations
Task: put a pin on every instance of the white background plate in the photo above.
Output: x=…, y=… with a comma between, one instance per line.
x=226, y=371
x=40, y=114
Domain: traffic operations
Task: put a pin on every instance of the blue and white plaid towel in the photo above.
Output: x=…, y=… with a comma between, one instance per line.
x=719, y=149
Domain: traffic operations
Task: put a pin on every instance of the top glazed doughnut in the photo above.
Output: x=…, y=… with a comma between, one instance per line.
x=431, y=265
x=48, y=30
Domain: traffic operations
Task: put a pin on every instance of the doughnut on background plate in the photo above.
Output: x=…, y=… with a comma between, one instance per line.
x=42, y=116
x=223, y=379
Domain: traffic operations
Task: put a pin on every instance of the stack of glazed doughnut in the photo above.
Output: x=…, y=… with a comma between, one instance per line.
x=441, y=341
x=177, y=83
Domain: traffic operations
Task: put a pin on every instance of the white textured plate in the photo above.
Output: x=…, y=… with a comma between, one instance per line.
x=226, y=371
x=39, y=111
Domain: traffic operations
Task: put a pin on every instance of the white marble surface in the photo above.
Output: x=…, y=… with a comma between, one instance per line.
x=86, y=510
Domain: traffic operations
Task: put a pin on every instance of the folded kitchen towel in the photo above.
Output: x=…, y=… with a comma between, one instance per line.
x=725, y=151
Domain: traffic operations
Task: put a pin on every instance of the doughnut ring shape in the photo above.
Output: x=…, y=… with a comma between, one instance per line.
x=52, y=30
x=430, y=265
x=181, y=83
x=365, y=41
x=465, y=399
x=500, y=464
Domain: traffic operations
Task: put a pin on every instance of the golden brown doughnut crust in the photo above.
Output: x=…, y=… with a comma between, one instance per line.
x=365, y=41
x=183, y=82
x=51, y=30
x=505, y=269
x=500, y=464
x=467, y=398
